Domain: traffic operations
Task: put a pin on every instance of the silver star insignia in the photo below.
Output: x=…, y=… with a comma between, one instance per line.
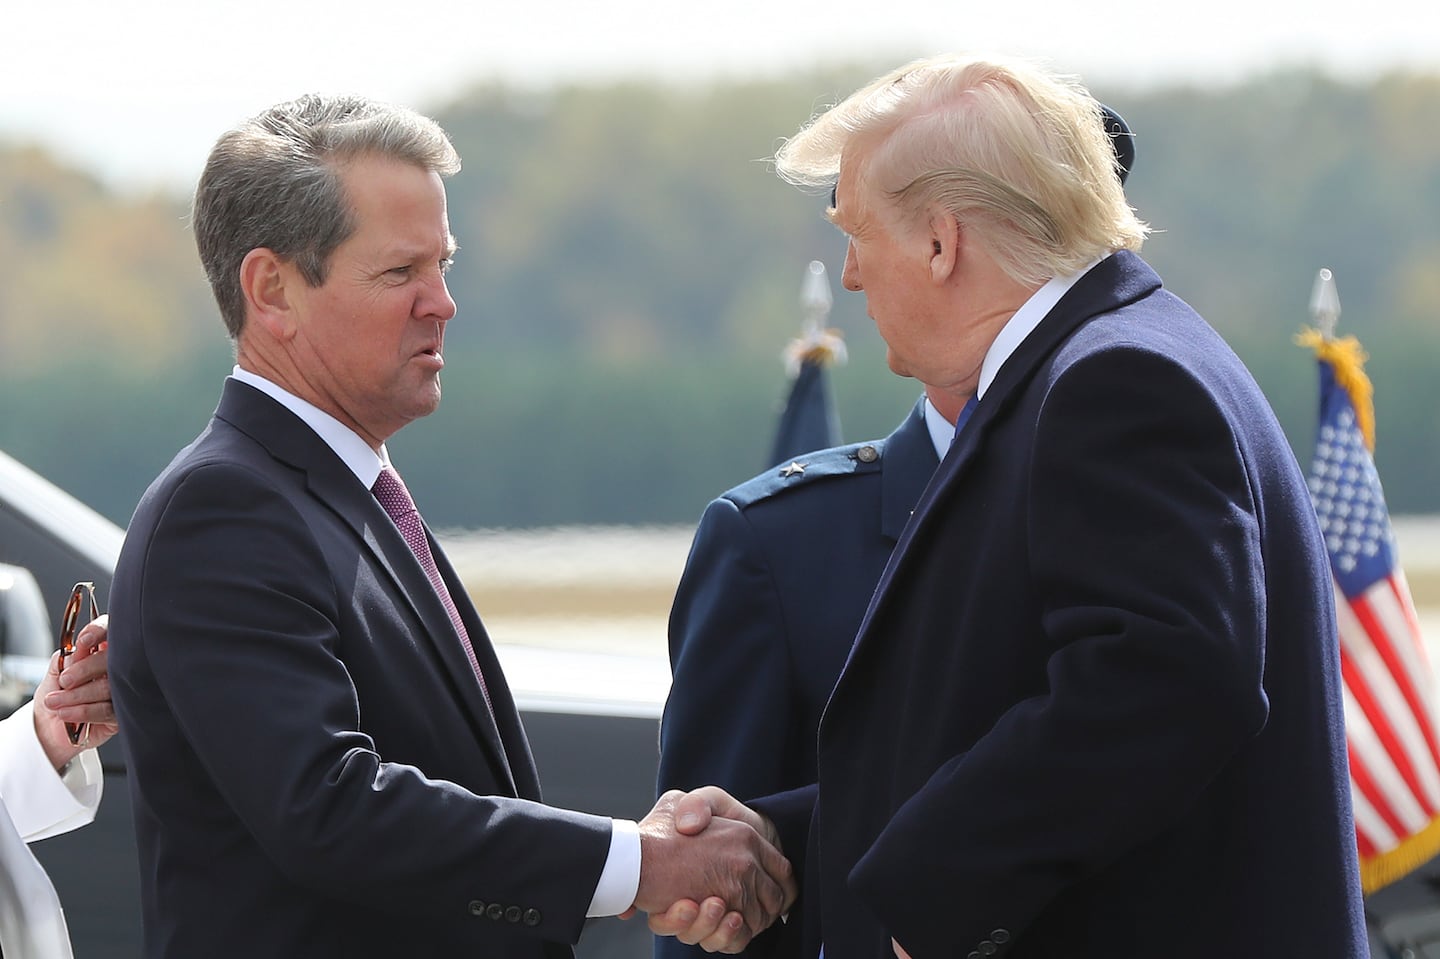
x=794, y=469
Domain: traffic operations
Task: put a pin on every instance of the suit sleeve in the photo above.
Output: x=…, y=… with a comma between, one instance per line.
x=239, y=622
x=1143, y=539
x=730, y=718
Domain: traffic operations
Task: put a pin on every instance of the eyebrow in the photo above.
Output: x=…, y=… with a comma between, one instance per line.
x=412, y=253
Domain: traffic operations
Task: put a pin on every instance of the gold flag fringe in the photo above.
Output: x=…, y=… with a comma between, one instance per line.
x=1347, y=358
x=819, y=347
x=1381, y=870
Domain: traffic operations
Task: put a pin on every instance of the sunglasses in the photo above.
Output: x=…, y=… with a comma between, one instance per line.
x=79, y=733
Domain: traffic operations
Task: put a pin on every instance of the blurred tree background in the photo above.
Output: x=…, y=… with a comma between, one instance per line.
x=630, y=270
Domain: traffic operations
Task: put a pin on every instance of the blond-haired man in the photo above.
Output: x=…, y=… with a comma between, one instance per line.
x=1093, y=708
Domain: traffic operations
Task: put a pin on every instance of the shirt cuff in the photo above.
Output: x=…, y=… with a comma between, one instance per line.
x=620, y=879
x=41, y=803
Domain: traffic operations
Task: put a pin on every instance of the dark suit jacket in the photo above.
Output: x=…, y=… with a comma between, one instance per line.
x=1094, y=706
x=313, y=768
x=779, y=575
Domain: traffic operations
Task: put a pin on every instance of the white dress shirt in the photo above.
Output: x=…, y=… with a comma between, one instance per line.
x=36, y=803
x=1007, y=341
x=620, y=879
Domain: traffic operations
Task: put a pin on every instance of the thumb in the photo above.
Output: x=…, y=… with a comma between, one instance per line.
x=692, y=814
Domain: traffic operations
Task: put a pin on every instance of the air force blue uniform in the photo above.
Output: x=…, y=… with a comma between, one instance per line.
x=779, y=575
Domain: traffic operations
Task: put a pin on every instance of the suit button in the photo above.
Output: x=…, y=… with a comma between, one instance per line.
x=477, y=908
x=1000, y=936
x=532, y=917
x=495, y=911
x=512, y=914
x=986, y=948
x=973, y=955
x=867, y=454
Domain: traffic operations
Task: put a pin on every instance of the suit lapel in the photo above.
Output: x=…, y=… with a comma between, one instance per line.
x=1117, y=280
x=514, y=747
x=389, y=549
x=292, y=442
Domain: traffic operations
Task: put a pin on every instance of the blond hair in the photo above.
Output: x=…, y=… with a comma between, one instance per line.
x=1015, y=152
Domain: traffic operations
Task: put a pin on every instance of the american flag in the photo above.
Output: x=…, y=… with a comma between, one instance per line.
x=1389, y=688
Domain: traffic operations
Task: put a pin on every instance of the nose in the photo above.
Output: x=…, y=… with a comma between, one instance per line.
x=437, y=303
x=850, y=275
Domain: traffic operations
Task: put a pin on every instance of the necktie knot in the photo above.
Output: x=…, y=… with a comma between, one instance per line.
x=394, y=498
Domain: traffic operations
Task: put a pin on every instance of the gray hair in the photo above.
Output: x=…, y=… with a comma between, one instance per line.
x=1002, y=144
x=274, y=182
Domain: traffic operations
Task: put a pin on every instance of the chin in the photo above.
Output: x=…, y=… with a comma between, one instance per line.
x=426, y=402
x=896, y=364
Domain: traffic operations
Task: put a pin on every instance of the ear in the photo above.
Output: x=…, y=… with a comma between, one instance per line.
x=265, y=280
x=944, y=246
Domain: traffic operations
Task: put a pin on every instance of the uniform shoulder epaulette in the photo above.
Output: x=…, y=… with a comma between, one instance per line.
x=853, y=459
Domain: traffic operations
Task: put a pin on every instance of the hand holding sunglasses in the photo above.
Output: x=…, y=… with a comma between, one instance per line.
x=70, y=624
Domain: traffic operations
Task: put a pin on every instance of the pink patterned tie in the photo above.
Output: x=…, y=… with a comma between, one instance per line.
x=390, y=490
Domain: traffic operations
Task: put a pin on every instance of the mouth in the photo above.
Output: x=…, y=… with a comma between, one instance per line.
x=432, y=355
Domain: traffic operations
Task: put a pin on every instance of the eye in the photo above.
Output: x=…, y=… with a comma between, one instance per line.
x=399, y=270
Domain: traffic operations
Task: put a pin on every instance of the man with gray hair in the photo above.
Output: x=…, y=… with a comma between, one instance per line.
x=1093, y=708
x=324, y=757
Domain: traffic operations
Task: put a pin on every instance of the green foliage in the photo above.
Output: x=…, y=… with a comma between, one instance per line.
x=630, y=270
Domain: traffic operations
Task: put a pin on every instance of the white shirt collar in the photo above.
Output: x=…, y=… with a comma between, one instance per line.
x=364, y=462
x=942, y=431
x=1019, y=326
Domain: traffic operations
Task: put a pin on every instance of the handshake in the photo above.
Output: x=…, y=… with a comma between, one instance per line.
x=711, y=870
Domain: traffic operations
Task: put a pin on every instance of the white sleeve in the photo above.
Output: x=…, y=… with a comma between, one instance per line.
x=42, y=803
x=32, y=924
x=620, y=879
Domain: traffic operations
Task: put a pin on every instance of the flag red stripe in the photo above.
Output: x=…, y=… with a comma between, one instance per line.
x=1384, y=644
x=1375, y=714
x=1361, y=780
x=1364, y=845
x=1400, y=590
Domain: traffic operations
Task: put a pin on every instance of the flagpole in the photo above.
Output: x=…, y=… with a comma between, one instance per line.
x=815, y=298
x=809, y=420
x=816, y=343
x=1325, y=303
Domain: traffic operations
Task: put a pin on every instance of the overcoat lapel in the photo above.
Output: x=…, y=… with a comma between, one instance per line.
x=909, y=463
x=293, y=443
x=1117, y=280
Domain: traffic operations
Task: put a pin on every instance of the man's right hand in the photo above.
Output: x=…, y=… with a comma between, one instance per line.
x=705, y=855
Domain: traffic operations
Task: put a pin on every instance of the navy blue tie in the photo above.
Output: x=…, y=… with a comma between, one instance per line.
x=964, y=416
